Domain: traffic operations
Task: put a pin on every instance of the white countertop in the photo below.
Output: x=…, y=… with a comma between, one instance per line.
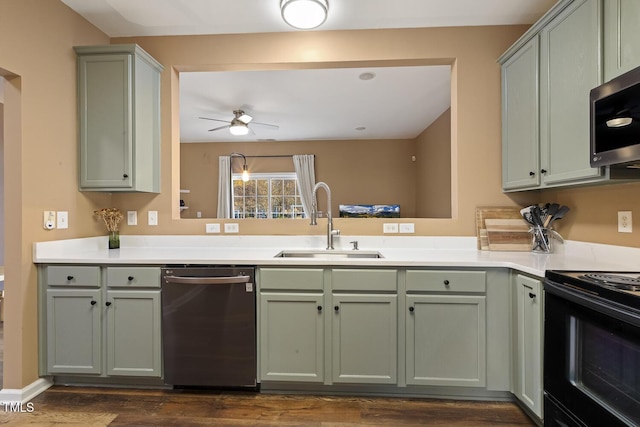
x=398, y=251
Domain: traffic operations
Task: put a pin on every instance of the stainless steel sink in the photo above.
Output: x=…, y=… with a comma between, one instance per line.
x=331, y=254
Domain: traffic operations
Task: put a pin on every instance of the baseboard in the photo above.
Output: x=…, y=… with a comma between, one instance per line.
x=27, y=393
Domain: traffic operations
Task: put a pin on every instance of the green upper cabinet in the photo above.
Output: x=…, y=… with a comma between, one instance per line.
x=547, y=76
x=520, y=124
x=119, y=119
x=570, y=68
x=621, y=41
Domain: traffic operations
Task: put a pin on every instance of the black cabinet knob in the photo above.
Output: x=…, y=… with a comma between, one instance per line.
x=543, y=171
x=532, y=173
x=532, y=295
x=336, y=308
x=130, y=278
x=411, y=309
x=319, y=308
x=108, y=303
x=446, y=283
x=69, y=277
x=124, y=175
x=93, y=303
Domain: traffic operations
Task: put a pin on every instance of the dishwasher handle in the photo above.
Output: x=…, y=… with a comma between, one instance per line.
x=223, y=280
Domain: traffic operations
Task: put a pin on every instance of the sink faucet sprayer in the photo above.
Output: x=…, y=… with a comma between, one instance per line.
x=314, y=212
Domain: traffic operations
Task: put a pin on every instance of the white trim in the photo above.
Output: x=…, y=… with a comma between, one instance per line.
x=25, y=394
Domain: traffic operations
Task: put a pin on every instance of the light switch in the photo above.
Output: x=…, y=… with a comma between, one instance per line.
x=212, y=228
x=407, y=227
x=153, y=217
x=132, y=217
x=63, y=219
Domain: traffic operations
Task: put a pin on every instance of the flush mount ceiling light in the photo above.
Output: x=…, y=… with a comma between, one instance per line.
x=304, y=14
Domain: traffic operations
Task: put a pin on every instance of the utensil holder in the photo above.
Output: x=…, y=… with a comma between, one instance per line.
x=541, y=241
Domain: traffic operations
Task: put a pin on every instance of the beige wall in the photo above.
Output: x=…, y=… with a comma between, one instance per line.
x=433, y=157
x=475, y=111
x=367, y=172
x=36, y=57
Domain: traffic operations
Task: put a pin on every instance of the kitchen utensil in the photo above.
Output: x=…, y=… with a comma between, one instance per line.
x=526, y=214
x=562, y=210
x=551, y=211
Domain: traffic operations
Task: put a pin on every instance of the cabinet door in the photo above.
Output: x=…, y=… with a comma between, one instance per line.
x=104, y=90
x=446, y=340
x=520, y=125
x=621, y=41
x=291, y=337
x=73, y=331
x=365, y=336
x=134, y=345
x=528, y=363
x=570, y=68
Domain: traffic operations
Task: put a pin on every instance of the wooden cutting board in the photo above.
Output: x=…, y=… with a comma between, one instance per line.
x=484, y=213
x=508, y=235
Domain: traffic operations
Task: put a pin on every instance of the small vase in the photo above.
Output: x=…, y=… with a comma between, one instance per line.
x=114, y=239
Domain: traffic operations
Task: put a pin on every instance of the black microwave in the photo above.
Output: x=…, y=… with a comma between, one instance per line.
x=615, y=121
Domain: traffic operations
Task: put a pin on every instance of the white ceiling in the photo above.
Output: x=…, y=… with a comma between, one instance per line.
x=397, y=103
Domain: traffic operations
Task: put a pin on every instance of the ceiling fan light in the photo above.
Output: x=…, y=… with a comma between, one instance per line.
x=238, y=128
x=304, y=14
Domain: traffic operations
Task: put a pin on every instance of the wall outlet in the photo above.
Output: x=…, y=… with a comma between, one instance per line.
x=49, y=220
x=132, y=217
x=389, y=228
x=407, y=227
x=153, y=217
x=625, y=222
x=63, y=219
x=232, y=228
x=212, y=228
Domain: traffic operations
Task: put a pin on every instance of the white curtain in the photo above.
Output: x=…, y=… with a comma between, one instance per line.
x=306, y=176
x=224, y=187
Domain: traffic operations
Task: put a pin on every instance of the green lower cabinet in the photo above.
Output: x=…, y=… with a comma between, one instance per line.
x=74, y=331
x=134, y=346
x=528, y=352
x=365, y=330
x=446, y=340
x=291, y=337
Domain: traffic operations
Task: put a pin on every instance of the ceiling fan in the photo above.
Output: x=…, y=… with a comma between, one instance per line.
x=239, y=125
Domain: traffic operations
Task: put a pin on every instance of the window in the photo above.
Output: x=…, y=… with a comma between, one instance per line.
x=267, y=195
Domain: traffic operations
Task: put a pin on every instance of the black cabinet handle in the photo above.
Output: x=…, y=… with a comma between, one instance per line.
x=319, y=308
x=336, y=308
x=532, y=173
x=543, y=171
x=532, y=295
x=93, y=303
x=108, y=303
x=411, y=309
x=446, y=283
x=69, y=277
x=130, y=278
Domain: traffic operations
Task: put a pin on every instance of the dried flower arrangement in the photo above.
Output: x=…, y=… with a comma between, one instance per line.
x=111, y=217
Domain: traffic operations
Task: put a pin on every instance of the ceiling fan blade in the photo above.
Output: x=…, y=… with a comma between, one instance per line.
x=266, y=124
x=215, y=120
x=218, y=128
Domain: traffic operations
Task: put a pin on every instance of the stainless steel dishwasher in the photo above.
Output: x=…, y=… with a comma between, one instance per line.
x=209, y=326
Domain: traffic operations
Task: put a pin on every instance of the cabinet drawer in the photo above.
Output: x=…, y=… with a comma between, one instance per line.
x=446, y=281
x=364, y=280
x=71, y=275
x=292, y=278
x=136, y=277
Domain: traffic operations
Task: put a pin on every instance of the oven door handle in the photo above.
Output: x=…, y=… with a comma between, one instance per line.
x=224, y=280
x=594, y=302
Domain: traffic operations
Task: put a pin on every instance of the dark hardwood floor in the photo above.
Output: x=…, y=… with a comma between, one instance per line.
x=117, y=407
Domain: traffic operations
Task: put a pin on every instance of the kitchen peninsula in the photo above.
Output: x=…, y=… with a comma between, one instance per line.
x=432, y=316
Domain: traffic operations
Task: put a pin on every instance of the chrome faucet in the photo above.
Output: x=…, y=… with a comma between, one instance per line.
x=314, y=213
